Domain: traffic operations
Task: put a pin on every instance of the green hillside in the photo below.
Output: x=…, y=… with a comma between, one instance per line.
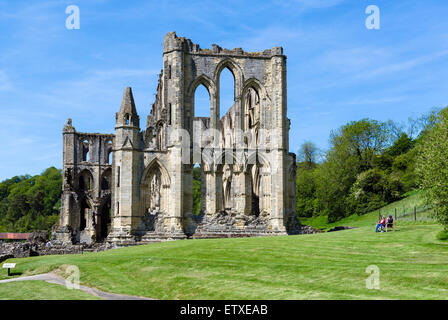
x=404, y=209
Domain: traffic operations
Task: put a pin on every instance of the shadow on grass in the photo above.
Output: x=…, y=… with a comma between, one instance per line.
x=11, y=274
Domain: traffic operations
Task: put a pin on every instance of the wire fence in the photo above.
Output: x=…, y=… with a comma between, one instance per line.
x=415, y=213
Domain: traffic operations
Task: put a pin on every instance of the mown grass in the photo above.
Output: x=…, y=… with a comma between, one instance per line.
x=40, y=290
x=412, y=264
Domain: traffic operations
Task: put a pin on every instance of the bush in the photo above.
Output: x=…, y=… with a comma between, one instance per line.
x=373, y=189
x=442, y=235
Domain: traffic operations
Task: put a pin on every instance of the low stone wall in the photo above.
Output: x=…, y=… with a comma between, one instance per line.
x=38, y=245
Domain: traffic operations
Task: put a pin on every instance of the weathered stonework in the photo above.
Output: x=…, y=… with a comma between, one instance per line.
x=248, y=175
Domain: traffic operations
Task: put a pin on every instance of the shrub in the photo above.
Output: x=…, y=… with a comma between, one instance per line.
x=442, y=235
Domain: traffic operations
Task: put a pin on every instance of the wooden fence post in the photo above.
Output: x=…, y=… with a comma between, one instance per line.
x=415, y=213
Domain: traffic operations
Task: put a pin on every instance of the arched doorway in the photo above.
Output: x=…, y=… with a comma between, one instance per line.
x=259, y=184
x=155, y=194
x=103, y=220
x=84, y=214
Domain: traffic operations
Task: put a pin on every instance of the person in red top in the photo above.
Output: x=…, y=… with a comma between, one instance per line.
x=381, y=224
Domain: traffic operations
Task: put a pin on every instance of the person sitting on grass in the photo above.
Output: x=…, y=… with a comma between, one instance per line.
x=381, y=224
x=389, y=222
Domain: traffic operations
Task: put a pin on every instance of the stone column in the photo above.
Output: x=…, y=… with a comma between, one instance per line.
x=243, y=190
x=213, y=191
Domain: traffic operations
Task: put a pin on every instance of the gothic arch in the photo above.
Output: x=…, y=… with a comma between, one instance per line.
x=155, y=189
x=260, y=183
x=237, y=73
x=254, y=114
x=256, y=84
x=154, y=164
x=103, y=218
x=85, y=180
x=108, y=149
x=206, y=82
x=235, y=69
x=161, y=134
x=257, y=158
x=86, y=146
x=209, y=85
x=106, y=179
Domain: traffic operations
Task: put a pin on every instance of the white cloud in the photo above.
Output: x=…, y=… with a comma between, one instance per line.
x=402, y=66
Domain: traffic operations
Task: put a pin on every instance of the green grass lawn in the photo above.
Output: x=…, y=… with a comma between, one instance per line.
x=412, y=264
x=40, y=290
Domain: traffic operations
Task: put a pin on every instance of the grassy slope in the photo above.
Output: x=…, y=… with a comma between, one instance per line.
x=321, y=266
x=40, y=290
x=369, y=219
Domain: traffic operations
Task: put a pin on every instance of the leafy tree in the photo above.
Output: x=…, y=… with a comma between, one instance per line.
x=361, y=140
x=353, y=150
x=402, y=145
x=306, y=192
x=30, y=203
x=432, y=165
x=308, y=154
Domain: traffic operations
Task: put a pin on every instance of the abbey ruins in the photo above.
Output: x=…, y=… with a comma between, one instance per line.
x=137, y=185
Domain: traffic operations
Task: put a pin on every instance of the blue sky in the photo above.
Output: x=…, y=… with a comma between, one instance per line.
x=338, y=70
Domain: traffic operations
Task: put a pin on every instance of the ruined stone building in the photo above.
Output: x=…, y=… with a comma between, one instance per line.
x=137, y=184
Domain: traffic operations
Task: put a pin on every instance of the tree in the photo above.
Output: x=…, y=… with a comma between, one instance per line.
x=432, y=165
x=361, y=140
x=30, y=203
x=308, y=154
x=306, y=192
x=402, y=145
x=354, y=148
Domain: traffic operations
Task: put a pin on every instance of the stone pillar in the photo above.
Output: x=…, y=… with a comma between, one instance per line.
x=243, y=190
x=277, y=138
x=213, y=191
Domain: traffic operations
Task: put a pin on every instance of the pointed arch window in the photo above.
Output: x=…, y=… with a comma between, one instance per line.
x=201, y=101
x=85, y=146
x=226, y=91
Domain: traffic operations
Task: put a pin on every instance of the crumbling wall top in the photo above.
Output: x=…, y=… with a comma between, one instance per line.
x=174, y=43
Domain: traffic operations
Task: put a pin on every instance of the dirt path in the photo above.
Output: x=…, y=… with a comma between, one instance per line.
x=54, y=278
